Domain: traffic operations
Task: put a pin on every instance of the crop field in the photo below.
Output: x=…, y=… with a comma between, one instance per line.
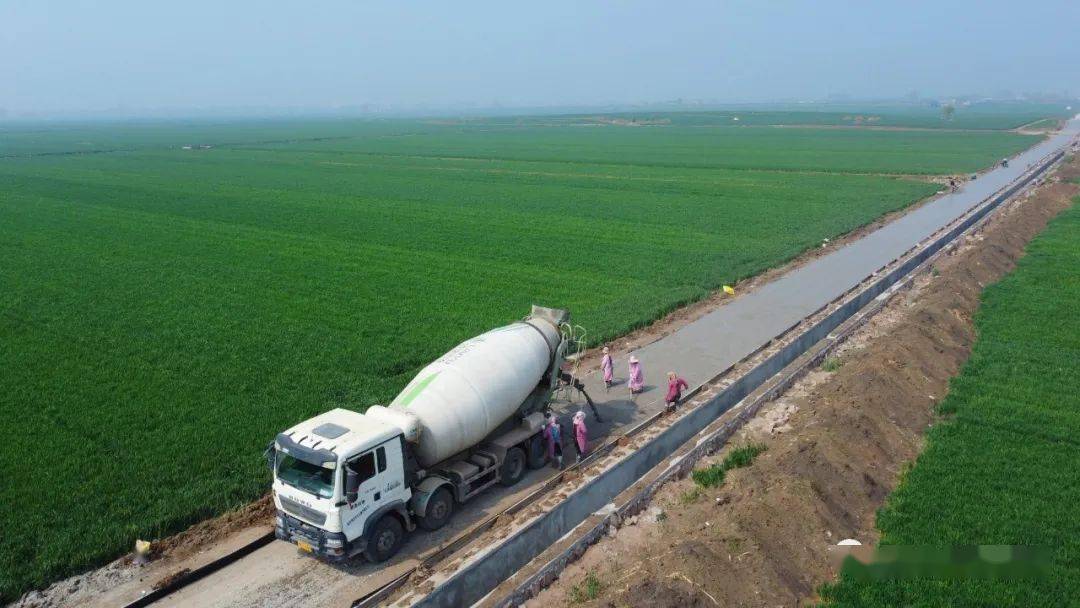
x=54, y=138
x=165, y=311
x=980, y=116
x=645, y=150
x=1003, y=469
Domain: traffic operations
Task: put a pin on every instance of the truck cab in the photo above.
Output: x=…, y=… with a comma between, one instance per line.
x=336, y=479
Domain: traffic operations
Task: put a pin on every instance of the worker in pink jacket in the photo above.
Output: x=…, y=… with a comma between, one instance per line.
x=675, y=388
x=581, y=435
x=637, y=377
x=607, y=365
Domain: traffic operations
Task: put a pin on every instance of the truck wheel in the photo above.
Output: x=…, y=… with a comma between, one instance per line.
x=384, y=539
x=513, y=468
x=537, y=452
x=439, y=508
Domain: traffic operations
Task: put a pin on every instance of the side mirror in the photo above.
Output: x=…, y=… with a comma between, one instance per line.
x=271, y=456
x=352, y=485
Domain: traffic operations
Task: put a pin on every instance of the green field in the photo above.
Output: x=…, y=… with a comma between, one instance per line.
x=1003, y=469
x=990, y=116
x=164, y=312
x=63, y=138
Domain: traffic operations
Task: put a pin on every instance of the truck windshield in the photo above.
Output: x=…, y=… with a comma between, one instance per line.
x=305, y=476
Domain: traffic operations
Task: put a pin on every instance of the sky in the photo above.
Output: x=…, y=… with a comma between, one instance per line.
x=72, y=56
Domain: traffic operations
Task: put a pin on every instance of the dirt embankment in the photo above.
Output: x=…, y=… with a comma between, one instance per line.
x=87, y=588
x=836, y=445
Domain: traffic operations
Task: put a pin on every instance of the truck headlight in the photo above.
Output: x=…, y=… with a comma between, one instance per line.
x=334, y=543
x=279, y=521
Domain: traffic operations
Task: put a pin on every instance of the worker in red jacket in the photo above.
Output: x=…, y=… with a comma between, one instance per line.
x=675, y=388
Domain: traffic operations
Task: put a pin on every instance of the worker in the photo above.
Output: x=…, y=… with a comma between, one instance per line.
x=1004, y=162
x=581, y=435
x=553, y=435
x=674, y=390
x=637, y=378
x=607, y=367
x=952, y=184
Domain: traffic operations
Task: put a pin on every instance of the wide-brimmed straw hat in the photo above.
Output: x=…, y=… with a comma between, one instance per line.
x=633, y=359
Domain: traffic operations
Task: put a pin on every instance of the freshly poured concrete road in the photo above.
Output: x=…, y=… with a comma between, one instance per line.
x=699, y=350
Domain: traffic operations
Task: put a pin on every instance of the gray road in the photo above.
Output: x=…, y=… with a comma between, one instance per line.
x=712, y=343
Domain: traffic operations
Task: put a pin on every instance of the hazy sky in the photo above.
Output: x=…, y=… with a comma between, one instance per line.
x=60, y=56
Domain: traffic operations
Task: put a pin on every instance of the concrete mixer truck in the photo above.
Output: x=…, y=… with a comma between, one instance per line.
x=347, y=483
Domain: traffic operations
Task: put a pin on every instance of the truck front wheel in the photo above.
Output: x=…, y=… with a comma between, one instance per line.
x=513, y=468
x=439, y=508
x=384, y=539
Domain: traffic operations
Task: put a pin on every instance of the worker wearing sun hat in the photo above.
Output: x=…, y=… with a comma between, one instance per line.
x=637, y=377
x=607, y=365
x=581, y=435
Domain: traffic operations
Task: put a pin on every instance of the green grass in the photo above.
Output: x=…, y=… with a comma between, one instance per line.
x=709, y=477
x=690, y=496
x=742, y=456
x=588, y=589
x=164, y=312
x=1003, y=468
x=713, y=475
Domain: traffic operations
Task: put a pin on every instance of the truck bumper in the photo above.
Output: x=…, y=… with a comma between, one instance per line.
x=327, y=546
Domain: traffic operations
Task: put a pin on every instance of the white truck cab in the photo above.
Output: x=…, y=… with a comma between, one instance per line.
x=335, y=475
